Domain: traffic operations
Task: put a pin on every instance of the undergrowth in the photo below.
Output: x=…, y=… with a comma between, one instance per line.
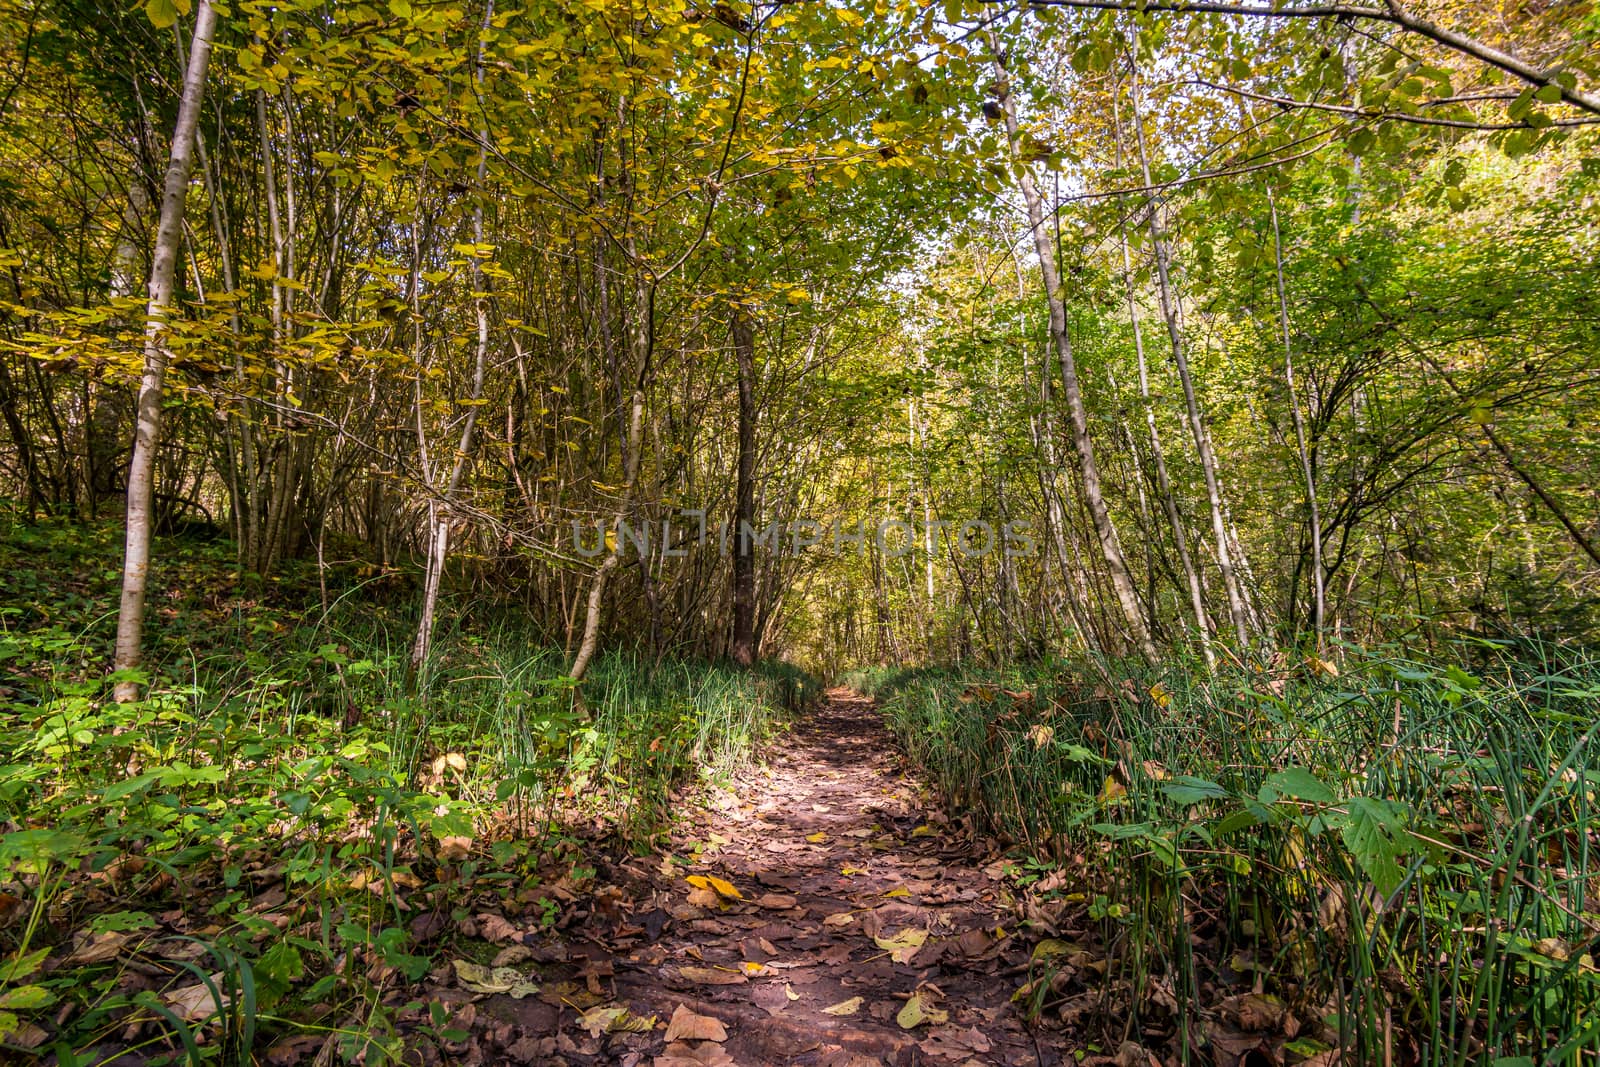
x=272, y=841
x=1391, y=858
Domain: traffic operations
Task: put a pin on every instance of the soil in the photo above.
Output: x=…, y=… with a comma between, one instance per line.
x=824, y=913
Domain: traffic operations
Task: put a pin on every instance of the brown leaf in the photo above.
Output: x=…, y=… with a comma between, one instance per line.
x=704, y=898
x=711, y=976
x=290, y=1051
x=454, y=849
x=99, y=948
x=196, y=1003
x=497, y=928
x=1255, y=1011
x=772, y=998
x=955, y=1043
x=709, y=1054
x=687, y=1026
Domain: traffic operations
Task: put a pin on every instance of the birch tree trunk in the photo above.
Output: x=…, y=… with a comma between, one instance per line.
x=1169, y=500
x=1180, y=357
x=743, y=649
x=1100, y=515
x=1318, y=578
x=440, y=515
x=147, y=432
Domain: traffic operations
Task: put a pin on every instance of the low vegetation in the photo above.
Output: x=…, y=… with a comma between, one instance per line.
x=1390, y=857
x=286, y=815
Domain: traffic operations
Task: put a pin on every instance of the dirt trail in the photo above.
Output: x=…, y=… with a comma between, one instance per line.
x=832, y=857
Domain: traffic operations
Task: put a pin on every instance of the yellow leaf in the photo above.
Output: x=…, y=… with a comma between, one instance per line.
x=717, y=885
x=902, y=946
x=1051, y=946
x=848, y=871
x=898, y=891
x=615, y=1019
x=844, y=1007
x=1112, y=791
x=1161, y=695
x=918, y=1011
x=817, y=838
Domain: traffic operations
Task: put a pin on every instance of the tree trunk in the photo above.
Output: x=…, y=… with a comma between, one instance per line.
x=743, y=649
x=1180, y=357
x=1105, y=528
x=440, y=514
x=1318, y=578
x=147, y=433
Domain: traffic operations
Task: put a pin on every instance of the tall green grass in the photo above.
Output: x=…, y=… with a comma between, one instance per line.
x=1405, y=855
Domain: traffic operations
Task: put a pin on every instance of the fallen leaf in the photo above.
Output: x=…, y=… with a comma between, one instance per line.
x=709, y=1054
x=1041, y=735
x=704, y=898
x=954, y=1043
x=904, y=945
x=687, y=1026
x=771, y=998
x=817, y=838
x=898, y=891
x=454, y=849
x=99, y=948
x=919, y=1010
x=711, y=976
x=839, y=918
x=1051, y=946
x=615, y=1019
x=477, y=978
x=195, y=1003
x=496, y=928
x=778, y=901
x=26, y=1035
x=844, y=1007
x=718, y=886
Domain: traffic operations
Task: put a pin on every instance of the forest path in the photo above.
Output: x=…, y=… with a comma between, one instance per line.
x=855, y=911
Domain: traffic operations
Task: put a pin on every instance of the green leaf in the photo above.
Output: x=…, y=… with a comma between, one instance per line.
x=19, y=967
x=161, y=13
x=1186, y=789
x=1296, y=782
x=1368, y=833
x=26, y=998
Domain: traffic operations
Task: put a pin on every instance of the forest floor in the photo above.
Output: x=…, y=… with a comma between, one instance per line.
x=820, y=915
